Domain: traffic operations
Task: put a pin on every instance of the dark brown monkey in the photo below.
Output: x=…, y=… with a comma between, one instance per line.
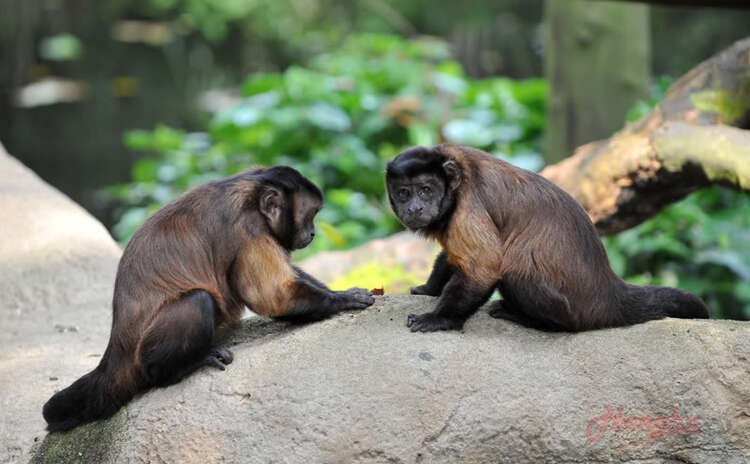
x=185, y=278
x=509, y=229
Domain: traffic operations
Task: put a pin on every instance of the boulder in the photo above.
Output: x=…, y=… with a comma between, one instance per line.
x=57, y=267
x=358, y=387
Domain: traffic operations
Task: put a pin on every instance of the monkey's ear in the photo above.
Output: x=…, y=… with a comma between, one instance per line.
x=271, y=202
x=453, y=172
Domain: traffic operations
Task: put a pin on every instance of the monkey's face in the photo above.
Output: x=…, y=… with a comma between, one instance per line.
x=306, y=207
x=417, y=200
x=290, y=216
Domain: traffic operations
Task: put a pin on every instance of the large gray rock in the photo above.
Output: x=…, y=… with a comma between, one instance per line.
x=362, y=388
x=356, y=388
x=57, y=266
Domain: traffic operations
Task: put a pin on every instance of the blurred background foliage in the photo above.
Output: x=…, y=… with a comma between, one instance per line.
x=701, y=244
x=338, y=121
x=151, y=97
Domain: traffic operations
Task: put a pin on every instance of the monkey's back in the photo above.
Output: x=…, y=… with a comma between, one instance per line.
x=544, y=231
x=185, y=245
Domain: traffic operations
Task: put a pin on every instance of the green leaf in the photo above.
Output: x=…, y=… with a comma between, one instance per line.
x=329, y=117
x=61, y=47
x=144, y=170
x=332, y=234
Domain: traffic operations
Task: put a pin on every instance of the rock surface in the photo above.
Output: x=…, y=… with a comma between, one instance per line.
x=359, y=387
x=57, y=266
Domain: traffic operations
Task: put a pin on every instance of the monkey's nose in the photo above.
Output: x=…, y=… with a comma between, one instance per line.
x=415, y=209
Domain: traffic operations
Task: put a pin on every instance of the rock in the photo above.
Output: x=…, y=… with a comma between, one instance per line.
x=57, y=267
x=359, y=387
x=362, y=388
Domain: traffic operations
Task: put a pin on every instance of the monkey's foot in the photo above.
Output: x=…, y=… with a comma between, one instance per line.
x=431, y=322
x=219, y=357
x=423, y=290
x=499, y=311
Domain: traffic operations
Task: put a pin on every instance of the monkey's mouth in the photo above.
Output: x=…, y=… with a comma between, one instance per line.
x=416, y=223
x=302, y=243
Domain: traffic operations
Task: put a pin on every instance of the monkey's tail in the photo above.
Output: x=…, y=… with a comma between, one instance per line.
x=647, y=303
x=94, y=396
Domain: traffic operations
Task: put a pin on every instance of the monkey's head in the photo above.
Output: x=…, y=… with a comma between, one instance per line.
x=289, y=203
x=422, y=187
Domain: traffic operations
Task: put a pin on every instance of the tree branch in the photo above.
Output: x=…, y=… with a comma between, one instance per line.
x=694, y=138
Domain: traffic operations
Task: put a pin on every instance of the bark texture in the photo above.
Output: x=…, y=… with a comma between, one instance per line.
x=696, y=137
x=597, y=63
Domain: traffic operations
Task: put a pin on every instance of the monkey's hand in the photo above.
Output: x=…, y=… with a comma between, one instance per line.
x=431, y=322
x=356, y=298
x=424, y=290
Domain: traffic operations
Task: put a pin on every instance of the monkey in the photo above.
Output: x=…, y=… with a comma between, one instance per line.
x=186, y=276
x=508, y=229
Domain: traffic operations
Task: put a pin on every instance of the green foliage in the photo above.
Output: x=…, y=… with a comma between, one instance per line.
x=61, y=47
x=701, y=244
x=643, y=107
x=289, y=27
x=338, y=121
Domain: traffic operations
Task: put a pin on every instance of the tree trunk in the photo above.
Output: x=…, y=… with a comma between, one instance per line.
x=696, y=137
x=597, y=64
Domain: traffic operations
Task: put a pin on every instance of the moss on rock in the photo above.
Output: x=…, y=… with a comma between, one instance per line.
x=90, y=443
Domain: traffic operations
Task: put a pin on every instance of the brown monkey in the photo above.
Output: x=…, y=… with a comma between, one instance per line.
x=509, y=229
x=185, y=278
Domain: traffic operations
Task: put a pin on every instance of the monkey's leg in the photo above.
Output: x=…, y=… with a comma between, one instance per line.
x=441, y=274
x=533, y=303
x=503, y=309
x=314, y=301
x=178, y=340
x=461, y=298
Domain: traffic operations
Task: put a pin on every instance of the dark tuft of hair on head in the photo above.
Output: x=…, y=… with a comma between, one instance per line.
x=287, y=179
x=415, y=161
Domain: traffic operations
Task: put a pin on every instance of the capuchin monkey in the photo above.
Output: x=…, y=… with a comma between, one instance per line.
x=509, y=229
x=185, y=278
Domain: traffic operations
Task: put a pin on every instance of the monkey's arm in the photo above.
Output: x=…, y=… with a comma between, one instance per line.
x=441, y=274
x=312, y=301
x=299, y=298
x=270, y=286
x=461, y=297
x=310, y=279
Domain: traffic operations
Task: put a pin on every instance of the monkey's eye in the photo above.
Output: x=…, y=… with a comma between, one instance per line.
x=403, y=193
x=425, y=191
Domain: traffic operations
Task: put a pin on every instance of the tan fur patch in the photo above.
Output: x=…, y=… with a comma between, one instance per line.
x=472, y=241
x=472, y=244
x=264, y=277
